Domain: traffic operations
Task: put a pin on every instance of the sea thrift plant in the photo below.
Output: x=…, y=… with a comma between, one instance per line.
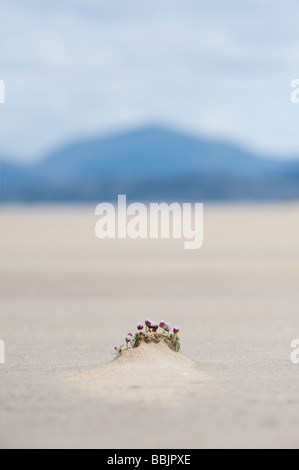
x=148, y=324
x=152, y=333
x=129, y=339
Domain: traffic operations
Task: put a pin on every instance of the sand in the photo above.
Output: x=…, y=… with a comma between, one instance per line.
x=68, y=298
x=151, y=374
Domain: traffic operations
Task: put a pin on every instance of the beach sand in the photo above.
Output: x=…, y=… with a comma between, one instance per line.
x=68, y=298
x=151, y=373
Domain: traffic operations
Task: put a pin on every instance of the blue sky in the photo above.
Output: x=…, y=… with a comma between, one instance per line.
x=76, y=68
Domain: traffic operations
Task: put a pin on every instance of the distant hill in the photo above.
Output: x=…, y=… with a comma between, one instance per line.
x=150, y=163
x=152, y=152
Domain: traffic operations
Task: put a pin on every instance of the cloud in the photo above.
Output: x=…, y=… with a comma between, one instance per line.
x=86, y=66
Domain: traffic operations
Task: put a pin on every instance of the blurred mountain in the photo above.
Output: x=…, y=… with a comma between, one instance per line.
x=151, y=163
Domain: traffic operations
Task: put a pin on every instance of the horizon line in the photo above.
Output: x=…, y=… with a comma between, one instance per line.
x=126, y=130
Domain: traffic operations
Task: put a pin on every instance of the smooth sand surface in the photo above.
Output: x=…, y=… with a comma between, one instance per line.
x=68, y=298
x=151, y=373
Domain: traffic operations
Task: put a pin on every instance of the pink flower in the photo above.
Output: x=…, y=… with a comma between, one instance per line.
x=139, y=326
x=148, y=323
x=176, y=329
x=167, y=326
x=162, y=324
x=155, y=326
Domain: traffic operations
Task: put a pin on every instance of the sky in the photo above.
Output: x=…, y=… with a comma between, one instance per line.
x=80, y=68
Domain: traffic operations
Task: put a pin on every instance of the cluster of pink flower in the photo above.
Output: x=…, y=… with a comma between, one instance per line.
x=150, y=326
x=153, y=326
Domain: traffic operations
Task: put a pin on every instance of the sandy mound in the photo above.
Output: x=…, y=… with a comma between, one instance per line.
x=151, y=372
